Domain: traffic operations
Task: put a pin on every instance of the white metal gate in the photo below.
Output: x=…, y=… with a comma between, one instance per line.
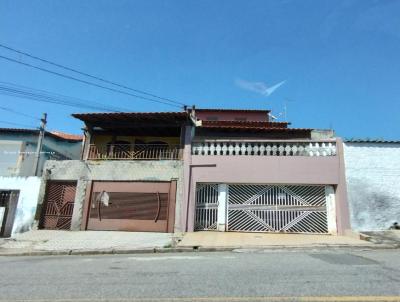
x=277, y=208
x=263, y=208
x=206, y=207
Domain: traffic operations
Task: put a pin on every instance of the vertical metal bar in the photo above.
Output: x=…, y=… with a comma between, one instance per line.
x=222, y=204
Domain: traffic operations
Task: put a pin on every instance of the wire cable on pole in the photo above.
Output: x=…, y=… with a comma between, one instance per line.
x=86, y=82
x=88, y=75
x=47, y=97
x=18, y=124
x=19, y=113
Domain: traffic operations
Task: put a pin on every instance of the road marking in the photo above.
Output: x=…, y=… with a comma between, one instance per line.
x=237, y=299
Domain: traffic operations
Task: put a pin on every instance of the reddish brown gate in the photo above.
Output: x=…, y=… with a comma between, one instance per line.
x=58, y=205
x=131, y=206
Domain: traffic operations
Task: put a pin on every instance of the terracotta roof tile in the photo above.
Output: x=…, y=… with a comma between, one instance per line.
x=244, y=124
x=67, y=136
x=231, y=110
x=126, y=116
x=56, y=134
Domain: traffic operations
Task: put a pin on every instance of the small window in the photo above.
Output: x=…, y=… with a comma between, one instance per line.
x=212, y=118
x=240, y=119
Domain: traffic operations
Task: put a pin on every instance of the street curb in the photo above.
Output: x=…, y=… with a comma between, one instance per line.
x=190, y=249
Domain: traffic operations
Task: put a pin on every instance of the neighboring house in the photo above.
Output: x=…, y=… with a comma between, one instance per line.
x=18, y=149
x=19, y=186
x=203, y=169
x=373, y=177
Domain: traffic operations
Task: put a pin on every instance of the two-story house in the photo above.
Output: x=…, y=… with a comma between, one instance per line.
x=203, y=169
x=130, y=176
x=247, y=173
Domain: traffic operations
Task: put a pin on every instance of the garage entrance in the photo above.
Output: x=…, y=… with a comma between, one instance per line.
x=262, y=208
x=132, y=206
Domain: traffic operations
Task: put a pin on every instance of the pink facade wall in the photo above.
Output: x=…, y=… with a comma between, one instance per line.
x=269, y=170
x=231, y=115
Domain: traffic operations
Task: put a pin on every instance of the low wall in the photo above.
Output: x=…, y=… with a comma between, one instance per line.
x=27, y=200
x=373, y=178
x=85, y=171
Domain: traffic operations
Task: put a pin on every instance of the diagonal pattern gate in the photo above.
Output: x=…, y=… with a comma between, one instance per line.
x=262, y=208
x=277, y=208
x=58, y=205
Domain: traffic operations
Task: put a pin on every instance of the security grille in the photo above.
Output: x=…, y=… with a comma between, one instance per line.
x=206, y=207
x=59, y=205
x=264, y=208
x=277, y=208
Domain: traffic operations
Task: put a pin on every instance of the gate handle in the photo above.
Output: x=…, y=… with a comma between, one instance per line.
x=99, y=209
x=159, y=207
x=99, y=204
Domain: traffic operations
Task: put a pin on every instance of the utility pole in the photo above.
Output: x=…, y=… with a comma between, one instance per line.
x=42, y=131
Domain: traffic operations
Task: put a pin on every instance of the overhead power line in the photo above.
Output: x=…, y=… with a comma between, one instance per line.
x=19, y=113
x=86, y=82
x=17, y=124
x=48, y=97
x=89, y=75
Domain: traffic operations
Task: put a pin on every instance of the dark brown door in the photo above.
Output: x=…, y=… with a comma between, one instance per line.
x=132, y=206
x=8, y=205
x=58, y=205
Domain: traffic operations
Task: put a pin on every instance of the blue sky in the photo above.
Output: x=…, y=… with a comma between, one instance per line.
x=340, y=59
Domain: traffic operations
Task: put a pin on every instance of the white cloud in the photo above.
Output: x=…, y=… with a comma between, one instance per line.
x=258, y=87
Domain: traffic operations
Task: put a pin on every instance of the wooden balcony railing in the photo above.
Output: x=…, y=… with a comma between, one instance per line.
x=134, y=152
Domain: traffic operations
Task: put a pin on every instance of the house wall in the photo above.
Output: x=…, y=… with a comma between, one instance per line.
x=272, y=170
x=103, y=140
x=17, y=152
x=85, y=171
x=373, y=177
x=9, y=154
x=27, y=201
x=230, y=116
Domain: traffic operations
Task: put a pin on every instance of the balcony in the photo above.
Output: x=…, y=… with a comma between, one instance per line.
x=134, y=152
x=265, y=148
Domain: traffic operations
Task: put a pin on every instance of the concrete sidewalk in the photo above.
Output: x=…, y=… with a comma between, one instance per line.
x=46, y=242
x=267, y=240
x=69, y=242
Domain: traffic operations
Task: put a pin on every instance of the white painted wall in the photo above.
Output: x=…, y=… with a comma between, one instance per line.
x=2, y=211
x=373, y=184
x=27, y=200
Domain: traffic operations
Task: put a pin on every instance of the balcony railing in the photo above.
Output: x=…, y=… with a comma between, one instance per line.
x=134, y=152
x=265, y=148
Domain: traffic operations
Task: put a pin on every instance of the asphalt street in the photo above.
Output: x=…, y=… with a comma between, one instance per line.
x=274, y=275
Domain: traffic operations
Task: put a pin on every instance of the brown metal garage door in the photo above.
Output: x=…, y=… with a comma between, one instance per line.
x=58, y=205
x=132, y=206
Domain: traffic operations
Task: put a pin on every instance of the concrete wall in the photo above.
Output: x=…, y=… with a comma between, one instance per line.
x=27, y=200
x=83, y=172
x=232, y=115
x=9, y=155
x=272, y=170
x=373, y=178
